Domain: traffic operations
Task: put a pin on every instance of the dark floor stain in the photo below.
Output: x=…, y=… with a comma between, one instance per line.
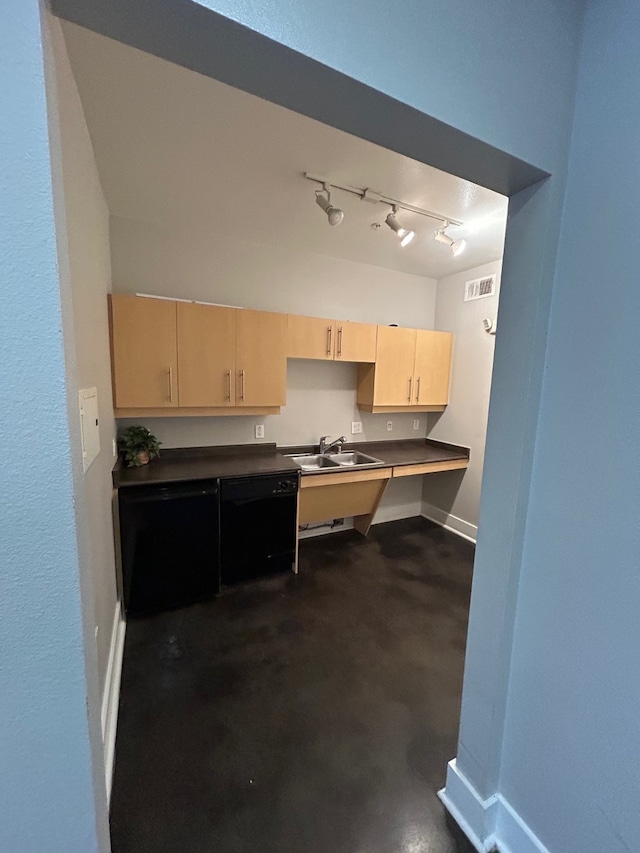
x=303, y=714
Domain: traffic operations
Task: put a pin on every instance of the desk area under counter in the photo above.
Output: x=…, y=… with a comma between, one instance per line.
x=340, y=492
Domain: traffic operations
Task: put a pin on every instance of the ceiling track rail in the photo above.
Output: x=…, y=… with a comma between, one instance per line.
x=372, y=196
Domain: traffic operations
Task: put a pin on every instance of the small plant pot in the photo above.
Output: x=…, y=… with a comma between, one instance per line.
x=143, y=458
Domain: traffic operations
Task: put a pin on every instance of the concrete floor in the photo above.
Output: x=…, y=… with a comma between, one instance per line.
x=308, y=714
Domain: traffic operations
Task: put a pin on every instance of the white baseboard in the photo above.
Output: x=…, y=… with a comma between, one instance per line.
x=111, y=694
x=490, y=825
x=474, y=816
x=450, y=522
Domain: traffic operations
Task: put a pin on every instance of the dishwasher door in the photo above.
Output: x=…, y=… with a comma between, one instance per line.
x=170, y=545
x=258, y=526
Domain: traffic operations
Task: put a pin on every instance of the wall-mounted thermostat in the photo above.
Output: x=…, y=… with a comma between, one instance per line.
x=89, y=427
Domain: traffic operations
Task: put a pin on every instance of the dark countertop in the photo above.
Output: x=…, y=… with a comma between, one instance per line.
x=413, y=451
x=203, y=463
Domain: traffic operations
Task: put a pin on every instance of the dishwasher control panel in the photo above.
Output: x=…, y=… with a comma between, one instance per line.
x=286, y=487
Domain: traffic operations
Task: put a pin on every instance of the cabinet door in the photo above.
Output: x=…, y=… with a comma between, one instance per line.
x=143, y=352
x=206, y=355
x=395, y=358
x=261, y=358
x=310, y=337
x=355, y=341
x=432, y=368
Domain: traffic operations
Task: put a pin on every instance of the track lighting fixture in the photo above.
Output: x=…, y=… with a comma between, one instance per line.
x=335, y=215
x=323, y=199
x=392, y=221
x=456, y=246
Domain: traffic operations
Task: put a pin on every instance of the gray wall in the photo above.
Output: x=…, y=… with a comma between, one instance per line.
x=453, y=498
x=87, y=239
x=52, y=786
x=572, y=734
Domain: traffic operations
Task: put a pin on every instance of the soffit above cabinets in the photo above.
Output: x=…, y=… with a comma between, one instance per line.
x=177, y=148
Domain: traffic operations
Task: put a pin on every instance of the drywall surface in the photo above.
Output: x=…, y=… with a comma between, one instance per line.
x=87, y=232
x=465, y=419
x=49, y=729
x=413, y=48
x=572, y=737
x=197, y=264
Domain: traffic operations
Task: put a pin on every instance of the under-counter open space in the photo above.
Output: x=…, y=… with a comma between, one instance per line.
x=309, y=713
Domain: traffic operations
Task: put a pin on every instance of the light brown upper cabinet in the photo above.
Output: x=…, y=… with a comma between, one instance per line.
x=411, y=371
x=310, y=337
x=206, y=355
x=261, y=358
x=432, y=371
x=355, y=341
x=330, y=340
x=181, y=358
x=395, y=358
x=144, y=352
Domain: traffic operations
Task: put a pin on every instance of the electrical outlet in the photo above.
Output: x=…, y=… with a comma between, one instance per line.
x=416, y=423
x=356, y=427
x=389, y=426
x=259, y=430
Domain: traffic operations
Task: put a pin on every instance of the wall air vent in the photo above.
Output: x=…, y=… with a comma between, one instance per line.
x=479, y=288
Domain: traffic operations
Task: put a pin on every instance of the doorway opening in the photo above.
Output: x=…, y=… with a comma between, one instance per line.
x=441, y=423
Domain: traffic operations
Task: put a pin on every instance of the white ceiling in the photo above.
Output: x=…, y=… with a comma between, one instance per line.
x=178, y=148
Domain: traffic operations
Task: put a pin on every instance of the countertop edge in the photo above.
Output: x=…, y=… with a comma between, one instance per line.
x=282, y=465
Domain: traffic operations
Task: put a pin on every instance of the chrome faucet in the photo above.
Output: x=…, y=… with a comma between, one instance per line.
x=325, y=448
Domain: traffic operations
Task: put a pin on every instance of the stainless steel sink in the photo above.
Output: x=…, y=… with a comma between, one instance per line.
x=354, y=458
x=311, y=462
x=324, y=461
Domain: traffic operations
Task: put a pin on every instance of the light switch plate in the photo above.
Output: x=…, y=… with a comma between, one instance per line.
x=259, y=433
x=389, y=426
x=356, y=427
x=416, y=423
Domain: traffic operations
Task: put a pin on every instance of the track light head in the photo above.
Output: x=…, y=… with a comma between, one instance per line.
x=392, y=221
x=334, y=214
x=456, y=246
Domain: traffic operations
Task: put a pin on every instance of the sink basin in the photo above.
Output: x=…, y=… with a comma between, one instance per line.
x=355, y=459
x=310, y=462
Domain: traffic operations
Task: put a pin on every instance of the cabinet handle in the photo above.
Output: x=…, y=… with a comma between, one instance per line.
x=229, y=385
x=329, y=335
x=418, y=390
x=410, y=384
x=339, y=340
x=242, y=385
x=170, y=384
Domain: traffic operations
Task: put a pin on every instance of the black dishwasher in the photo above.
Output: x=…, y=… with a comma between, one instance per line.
x=258, y=526
x=170, y=545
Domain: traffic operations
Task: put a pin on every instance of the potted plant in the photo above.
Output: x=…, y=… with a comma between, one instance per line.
x=138, y=445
